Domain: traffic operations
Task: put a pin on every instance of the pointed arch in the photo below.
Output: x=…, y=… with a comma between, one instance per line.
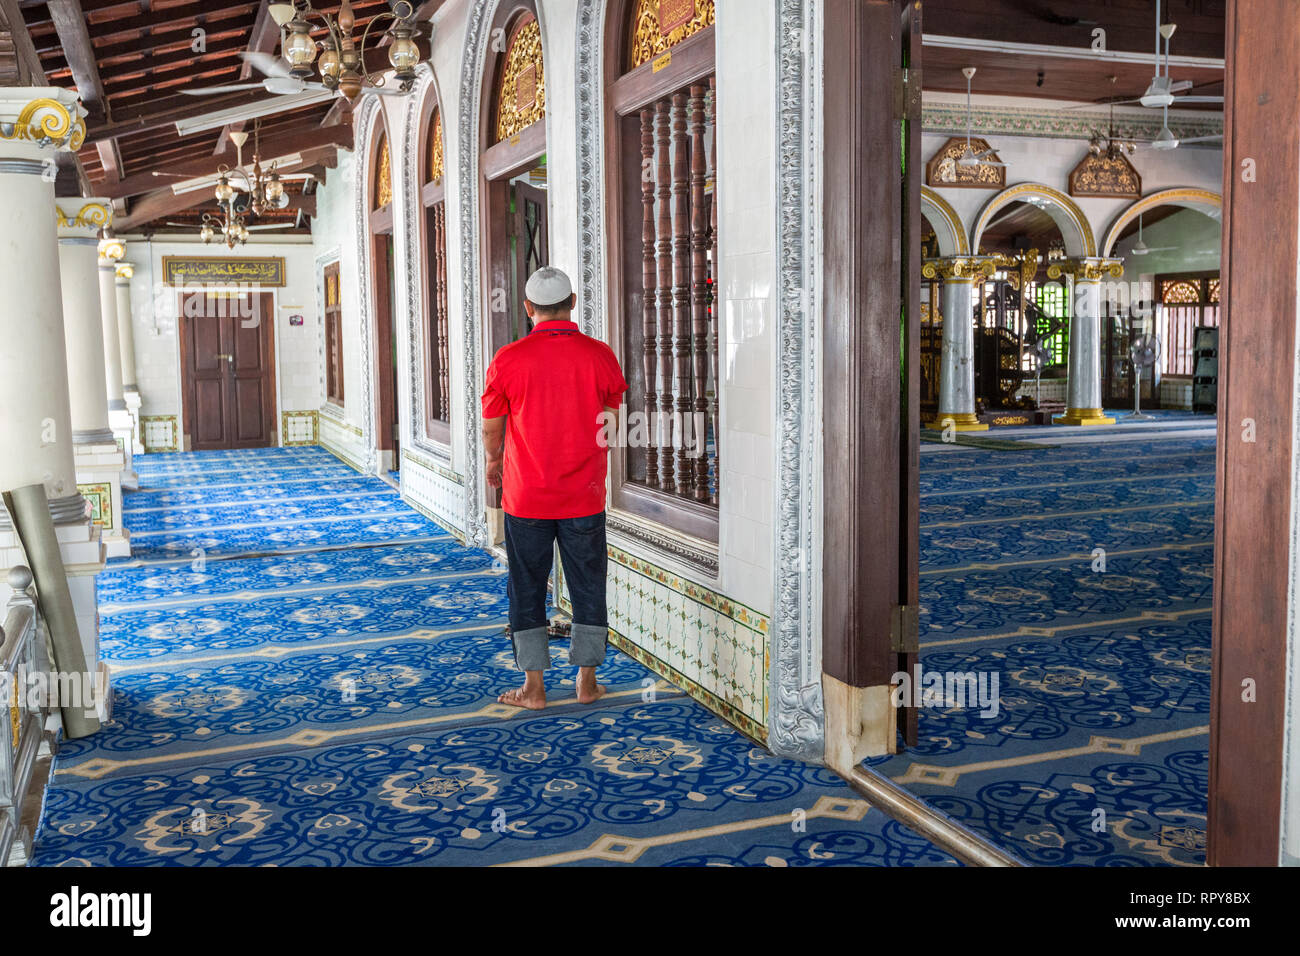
x=1202, y=200
x=1065, y=212
x=947, y=224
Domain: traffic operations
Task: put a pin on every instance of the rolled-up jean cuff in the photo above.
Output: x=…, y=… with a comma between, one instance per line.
x=533, y=649
x=587, y=648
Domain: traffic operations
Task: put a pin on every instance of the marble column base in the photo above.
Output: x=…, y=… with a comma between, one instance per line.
x=123, y=426
x=1084, y=416
x=133, y=403
x=957, y=421
x=99, y=467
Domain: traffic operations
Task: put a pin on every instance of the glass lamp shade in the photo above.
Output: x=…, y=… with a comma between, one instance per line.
x=224, y=191
x=206, y=233
x=403, y=54
x=299, y=47
x=274, y=188
x=330, y=65
x=243, y=233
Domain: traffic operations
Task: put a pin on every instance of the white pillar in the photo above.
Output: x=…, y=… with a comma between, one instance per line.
x=36, y=431
x=119, y=415
x=99, y=458
x=1083, y=388
x=126, y=334
x=961, y=277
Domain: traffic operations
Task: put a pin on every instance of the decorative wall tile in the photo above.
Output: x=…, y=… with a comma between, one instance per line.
x=300, y=428
x=161, y=433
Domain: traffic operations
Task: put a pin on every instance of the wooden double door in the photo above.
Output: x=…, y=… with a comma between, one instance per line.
x=228, y=370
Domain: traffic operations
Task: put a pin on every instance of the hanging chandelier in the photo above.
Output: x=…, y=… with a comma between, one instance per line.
x=261, y=190
x=342, y=59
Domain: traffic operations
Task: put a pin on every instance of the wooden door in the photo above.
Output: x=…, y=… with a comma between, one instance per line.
x=228, y=370
x=530, y=246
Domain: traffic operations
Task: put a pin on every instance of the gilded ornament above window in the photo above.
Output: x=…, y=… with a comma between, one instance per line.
x=659, y=25
x=384, y=176
x=1105, y=176
x=437, y=162
x=521, y=98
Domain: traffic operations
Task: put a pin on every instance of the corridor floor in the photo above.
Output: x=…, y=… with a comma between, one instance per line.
x=305, y=673
x=1081, y=575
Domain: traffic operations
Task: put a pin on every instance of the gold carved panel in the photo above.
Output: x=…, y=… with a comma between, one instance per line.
x=521, y=99
x=942, y=169
x=1111, y=177
x=437, y=159
x=659, y=25
x=384, y=176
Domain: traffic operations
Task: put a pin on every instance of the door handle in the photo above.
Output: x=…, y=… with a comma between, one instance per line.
x=228, y=358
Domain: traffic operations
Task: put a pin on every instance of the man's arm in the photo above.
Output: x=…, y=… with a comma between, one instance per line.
x=494, y=440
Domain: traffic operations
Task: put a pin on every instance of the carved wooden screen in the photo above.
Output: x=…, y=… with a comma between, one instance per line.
x=1185, y=302
x=333, y=336
x=669, y=325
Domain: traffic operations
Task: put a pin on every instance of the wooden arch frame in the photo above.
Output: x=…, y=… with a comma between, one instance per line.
x=626, y=91
x=432, y=226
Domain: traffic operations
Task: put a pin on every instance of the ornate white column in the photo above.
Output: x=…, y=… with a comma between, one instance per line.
x=99, y=458
x=119, y=415
x=36, y=431
x=1083, y=388
x=961, y=275
x=126, y=330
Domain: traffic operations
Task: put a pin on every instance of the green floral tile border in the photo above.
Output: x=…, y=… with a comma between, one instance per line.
x=1057, y=124
x=749, y=619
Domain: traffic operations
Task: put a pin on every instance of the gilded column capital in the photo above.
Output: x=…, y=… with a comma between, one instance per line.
x=1087, y=269
x=37, y=121
x=111, y=250
x=125, y=270
x=960, y=268
x=80, y=218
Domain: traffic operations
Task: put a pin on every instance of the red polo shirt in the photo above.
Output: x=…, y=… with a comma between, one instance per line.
x=553, y=387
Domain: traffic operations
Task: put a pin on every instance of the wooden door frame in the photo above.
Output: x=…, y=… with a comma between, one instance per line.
x=267, y=328
x=1257, y=382
x=870, y=511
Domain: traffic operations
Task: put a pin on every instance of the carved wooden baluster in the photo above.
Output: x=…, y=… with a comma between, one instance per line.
x=699, y=297
x=665, y=318
x=685, y=485
x=649, y=273
x=444, y=350
x=715, y=289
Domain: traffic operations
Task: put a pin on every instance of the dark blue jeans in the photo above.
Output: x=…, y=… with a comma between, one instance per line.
x=530, y=546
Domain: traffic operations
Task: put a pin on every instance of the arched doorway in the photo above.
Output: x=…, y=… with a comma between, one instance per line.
x=942, y=235
x=1022, y=315
x=514, y=205
x=380, y=222
x=1171, y=244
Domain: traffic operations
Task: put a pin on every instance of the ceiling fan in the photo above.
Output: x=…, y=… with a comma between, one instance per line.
x=1140, y=248
x=1165, y=140
x=969, y=157
x=278, y=80
x=268, y=226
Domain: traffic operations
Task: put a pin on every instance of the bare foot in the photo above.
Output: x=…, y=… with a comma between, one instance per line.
x=588, y=690
x=525, y=698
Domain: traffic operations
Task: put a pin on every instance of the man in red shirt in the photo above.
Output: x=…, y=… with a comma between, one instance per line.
x=546, y=402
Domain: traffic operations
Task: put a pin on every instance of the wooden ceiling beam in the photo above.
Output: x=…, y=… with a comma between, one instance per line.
x=27, y=62
x=70, y=22
x=190, y=15
x=264, y=38
x=296, y=142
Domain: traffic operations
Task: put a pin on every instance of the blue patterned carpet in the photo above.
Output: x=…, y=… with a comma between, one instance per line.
x=1098, y=754
x=306, y=672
